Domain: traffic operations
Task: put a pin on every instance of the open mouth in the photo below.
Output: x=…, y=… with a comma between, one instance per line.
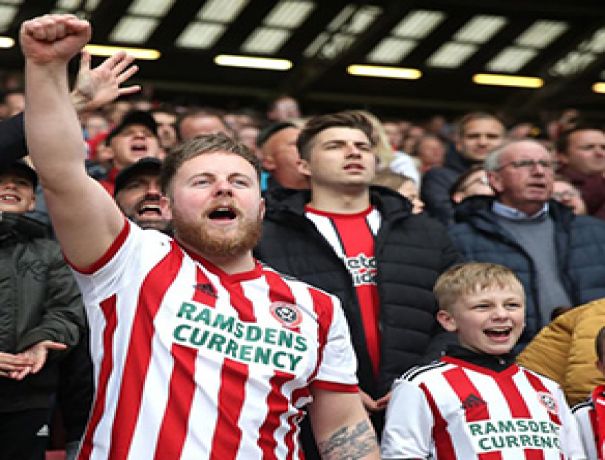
x=498, y=333
x=138, y=147
x=10, y=198
x=149, y=209
x=224, y=213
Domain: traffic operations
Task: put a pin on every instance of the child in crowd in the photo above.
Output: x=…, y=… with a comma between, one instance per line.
x=475, y=402
x=591, y=414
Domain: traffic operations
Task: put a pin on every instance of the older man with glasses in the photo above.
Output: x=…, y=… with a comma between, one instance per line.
x=559, y=257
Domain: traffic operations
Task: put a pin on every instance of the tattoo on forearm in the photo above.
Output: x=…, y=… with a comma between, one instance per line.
x=349, y=443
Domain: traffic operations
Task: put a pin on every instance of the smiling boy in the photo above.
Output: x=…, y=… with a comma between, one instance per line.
x=475, y=402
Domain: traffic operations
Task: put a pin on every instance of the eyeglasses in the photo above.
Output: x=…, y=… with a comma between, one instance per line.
x=530, y=164
x=566, y=195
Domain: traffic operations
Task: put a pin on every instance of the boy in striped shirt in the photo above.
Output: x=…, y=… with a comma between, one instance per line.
x=475, y=402
x=591, y=413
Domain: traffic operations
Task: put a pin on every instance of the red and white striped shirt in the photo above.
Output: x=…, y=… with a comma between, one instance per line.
x=191, y=363
x=453, y=409
x=589, y=415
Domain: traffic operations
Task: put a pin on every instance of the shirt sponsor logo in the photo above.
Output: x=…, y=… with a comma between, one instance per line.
x=362, y=269
x=204, y=328
x=496, y=435
x=287, y=314
x=548, y=402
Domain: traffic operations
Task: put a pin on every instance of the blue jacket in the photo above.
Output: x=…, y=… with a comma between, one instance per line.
x=579, y=242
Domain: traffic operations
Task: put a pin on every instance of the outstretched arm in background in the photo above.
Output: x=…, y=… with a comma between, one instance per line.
x=85, y=218
x=93, y=89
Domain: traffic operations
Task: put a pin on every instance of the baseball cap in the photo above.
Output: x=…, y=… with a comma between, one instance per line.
x=147, y=164
x=22, y=167
x=134, y=117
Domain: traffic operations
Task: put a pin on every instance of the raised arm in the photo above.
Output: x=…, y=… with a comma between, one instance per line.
x=85, y=218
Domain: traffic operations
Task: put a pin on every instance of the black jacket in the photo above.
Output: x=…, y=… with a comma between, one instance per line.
x=411, y=251
x=39, y=300
x=579, y=243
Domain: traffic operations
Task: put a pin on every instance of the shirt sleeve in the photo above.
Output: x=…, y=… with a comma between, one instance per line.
x=338, y=366
x=409, y=424
x=582, y=415
x=571, y=445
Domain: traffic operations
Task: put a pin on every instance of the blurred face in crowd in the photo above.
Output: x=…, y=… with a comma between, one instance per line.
x=166, y=129
x=340, y=157
x=196, y=125
x=411, y=137
x=280, y=158
x=139, y=200
x=431, y=152
x=525, y=177
x=15, y=103
x=585, y=151
x=133, y=143
x=479, y=137
x=95, y=125
x=284, y=109
x=409, y=189
x=17, y=192
x=570, y=196
x=475, y=184
x=247, y=135
x=394, y=134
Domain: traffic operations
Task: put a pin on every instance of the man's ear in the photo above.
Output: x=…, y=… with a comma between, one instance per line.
x=165, y=207
x=494, y=180
x=303, y=167
x=32, y=205
x=268, y=162
x=447, y=321
x=600, y=366
x=261, y=209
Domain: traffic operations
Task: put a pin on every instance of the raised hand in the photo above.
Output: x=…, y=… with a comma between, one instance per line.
x=99, y=86
x=53, y=39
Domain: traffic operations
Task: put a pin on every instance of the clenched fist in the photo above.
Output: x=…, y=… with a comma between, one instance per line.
x=54, y=38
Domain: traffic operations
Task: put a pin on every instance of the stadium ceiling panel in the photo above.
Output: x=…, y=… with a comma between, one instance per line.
x=560, y=43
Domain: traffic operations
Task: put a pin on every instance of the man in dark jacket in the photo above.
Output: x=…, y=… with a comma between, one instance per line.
x=41, y=315
x=362, y=244
x=559, y=257
x=478, y=134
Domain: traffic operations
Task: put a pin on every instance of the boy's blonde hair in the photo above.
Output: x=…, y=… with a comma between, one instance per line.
x=470, y=278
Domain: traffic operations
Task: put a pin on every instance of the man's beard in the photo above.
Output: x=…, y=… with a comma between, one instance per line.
x=213, y=242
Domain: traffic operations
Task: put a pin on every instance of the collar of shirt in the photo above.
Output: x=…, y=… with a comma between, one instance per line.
x=514, y=214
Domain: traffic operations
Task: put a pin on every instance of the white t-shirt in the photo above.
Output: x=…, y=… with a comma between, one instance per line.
x=453, y=409
x=191, y=363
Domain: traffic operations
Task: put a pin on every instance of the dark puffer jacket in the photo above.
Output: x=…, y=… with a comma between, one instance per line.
x=39, y=300
x=436, y=185
x=579, y=242
x=411, y=251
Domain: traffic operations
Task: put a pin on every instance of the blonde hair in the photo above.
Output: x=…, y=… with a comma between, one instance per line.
x=383, y=149
x=469, y=278
x=389, y=179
